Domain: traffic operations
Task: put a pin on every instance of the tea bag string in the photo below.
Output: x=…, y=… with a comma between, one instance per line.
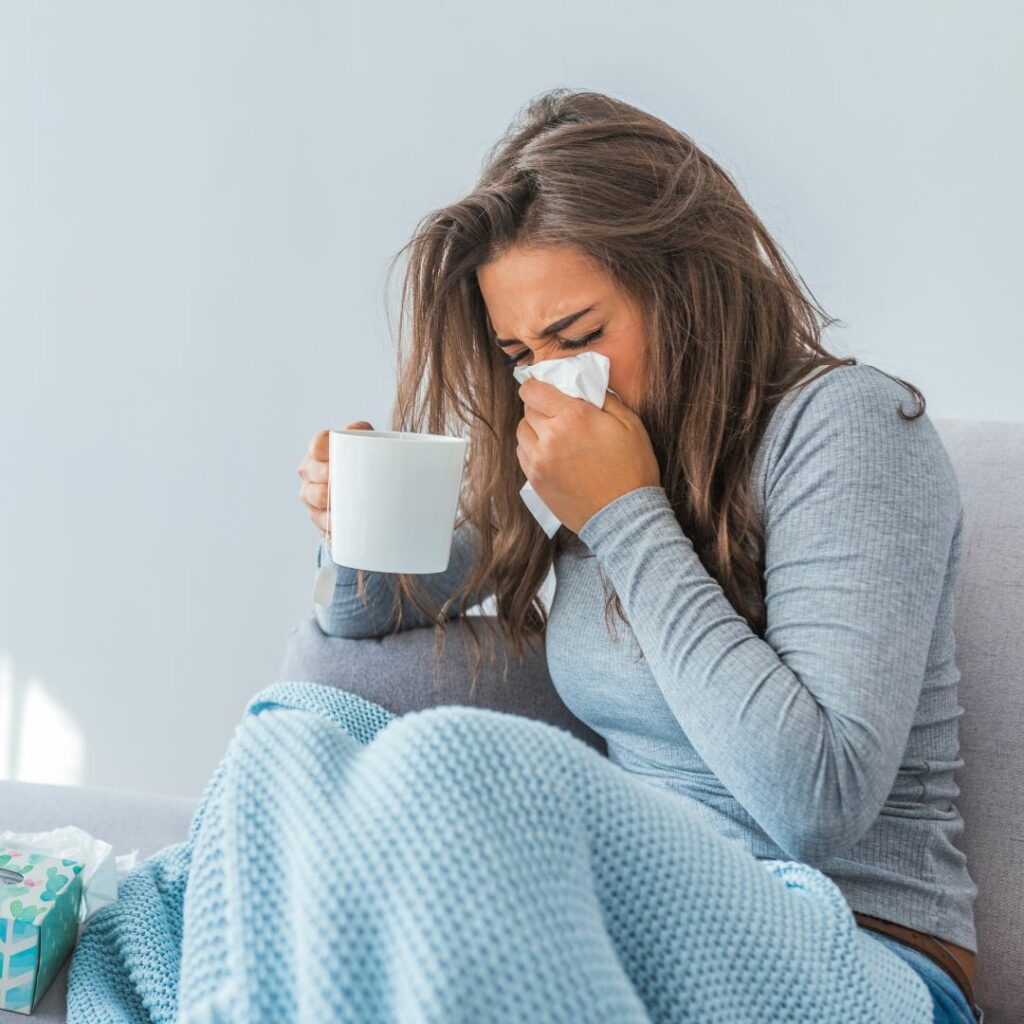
x=327, y=531
x=327, y=575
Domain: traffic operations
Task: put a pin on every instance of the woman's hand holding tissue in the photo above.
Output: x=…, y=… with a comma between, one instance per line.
x=579, y=458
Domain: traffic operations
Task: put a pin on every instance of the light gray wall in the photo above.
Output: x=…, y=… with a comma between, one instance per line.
x=197, y=201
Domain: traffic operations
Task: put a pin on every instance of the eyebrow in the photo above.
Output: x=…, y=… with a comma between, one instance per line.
x=555, y=328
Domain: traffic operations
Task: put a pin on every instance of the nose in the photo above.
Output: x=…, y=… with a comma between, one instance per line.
x=534, y=361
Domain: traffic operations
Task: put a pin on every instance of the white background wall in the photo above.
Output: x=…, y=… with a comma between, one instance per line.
x=197, y=200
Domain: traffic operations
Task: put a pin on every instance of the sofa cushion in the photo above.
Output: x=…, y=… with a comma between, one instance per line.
x=397, y=672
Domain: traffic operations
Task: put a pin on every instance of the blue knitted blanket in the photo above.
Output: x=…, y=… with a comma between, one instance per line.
x=463, y=864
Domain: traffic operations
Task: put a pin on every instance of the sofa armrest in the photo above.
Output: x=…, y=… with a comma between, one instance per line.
x=397, y=672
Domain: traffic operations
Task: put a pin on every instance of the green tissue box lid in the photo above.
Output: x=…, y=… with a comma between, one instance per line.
x=39, y=901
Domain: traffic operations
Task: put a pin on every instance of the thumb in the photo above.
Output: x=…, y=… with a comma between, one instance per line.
x=617, y=407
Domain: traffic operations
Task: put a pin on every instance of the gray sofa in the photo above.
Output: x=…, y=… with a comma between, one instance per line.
x=396, y=671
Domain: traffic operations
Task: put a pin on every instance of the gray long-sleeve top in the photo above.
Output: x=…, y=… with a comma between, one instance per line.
x=834, y=740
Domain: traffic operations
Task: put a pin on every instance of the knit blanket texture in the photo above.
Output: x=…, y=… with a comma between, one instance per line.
x=461, y=864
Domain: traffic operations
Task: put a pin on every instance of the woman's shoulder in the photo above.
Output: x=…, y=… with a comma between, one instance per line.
x=845, y=391
x=846, y=400
x=858, y=422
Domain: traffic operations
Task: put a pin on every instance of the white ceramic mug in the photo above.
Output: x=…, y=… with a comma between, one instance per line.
x=394, y=498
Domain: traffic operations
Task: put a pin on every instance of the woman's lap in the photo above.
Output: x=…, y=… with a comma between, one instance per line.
x=725, y=924
x=951, y=1005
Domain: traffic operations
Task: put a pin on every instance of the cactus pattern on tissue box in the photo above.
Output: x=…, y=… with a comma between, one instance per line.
x=39, y=899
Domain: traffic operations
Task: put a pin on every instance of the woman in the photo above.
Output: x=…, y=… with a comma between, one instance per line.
x=780, y=537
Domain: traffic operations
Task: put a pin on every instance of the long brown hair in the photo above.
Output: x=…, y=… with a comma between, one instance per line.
x=730, y=326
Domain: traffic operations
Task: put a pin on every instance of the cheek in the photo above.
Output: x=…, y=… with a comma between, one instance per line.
x=622, y=373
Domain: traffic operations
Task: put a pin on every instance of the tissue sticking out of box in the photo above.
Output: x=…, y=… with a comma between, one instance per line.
x=583, y=376
x=100, y=869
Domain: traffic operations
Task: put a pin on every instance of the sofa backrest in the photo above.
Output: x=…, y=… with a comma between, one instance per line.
x=988, y=457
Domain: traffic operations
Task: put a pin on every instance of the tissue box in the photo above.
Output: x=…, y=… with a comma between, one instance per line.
x=39, y=900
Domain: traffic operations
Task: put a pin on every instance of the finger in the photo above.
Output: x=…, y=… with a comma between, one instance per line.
x=525, y=433
x=319, y=519
x=319, y=452
x=314, y=471
x=314, y=495
x=617, y=408
x=319, y=445
x=545, y=397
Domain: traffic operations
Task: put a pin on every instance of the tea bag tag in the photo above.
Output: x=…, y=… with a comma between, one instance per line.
x=326, y=578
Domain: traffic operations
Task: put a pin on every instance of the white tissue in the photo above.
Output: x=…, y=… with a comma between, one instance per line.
x=100, y=872
x=583, y=376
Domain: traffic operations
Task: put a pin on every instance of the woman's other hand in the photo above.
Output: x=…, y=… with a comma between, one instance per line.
x=313, y=471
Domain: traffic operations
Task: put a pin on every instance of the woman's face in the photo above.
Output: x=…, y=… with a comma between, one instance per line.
x=529, y=294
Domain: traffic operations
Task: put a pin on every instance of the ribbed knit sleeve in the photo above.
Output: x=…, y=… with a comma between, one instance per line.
x=807, y=727
x=347, y=616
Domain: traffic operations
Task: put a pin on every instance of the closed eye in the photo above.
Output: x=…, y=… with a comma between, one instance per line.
x=565, y=344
